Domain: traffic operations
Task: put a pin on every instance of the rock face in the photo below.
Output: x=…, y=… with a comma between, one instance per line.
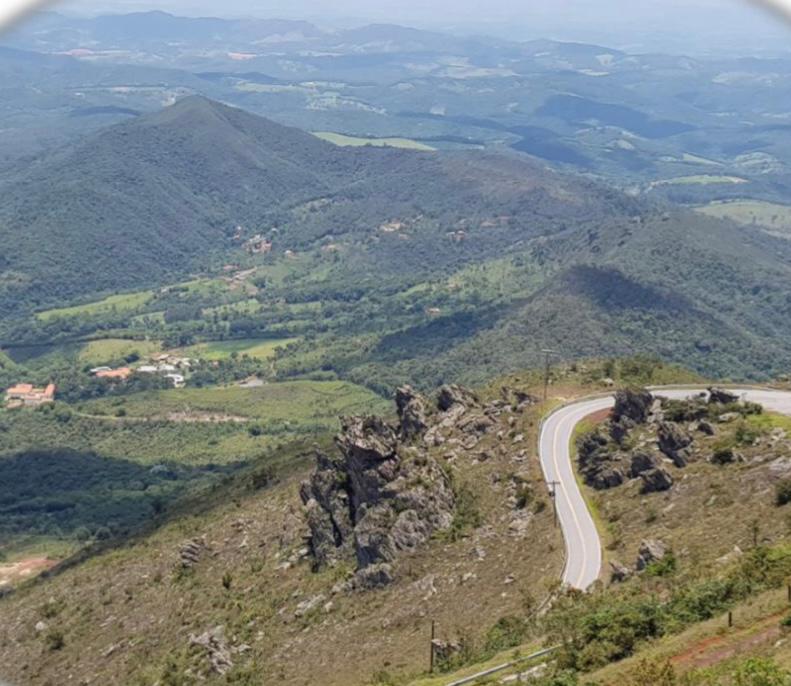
x=643, y=462
x=674, y=442
x=411, y=412
x=619, y=572
x=651, y=550
x=379, y=496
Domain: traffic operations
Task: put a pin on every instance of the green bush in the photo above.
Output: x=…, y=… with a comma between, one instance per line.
x=783, y=492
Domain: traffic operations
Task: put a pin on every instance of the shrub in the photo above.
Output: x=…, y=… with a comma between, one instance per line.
x=54, y=639
x=783, y=492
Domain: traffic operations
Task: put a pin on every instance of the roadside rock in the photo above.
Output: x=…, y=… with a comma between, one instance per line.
x=655, y=480
x=728, y=417
x=674, y=442
x=706, y=428
x=634, y=404
x=651, y=550
x=619, y=572
x=307, y=606
x=722, y=396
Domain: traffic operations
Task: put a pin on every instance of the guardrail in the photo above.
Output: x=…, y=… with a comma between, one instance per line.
x=502, y=667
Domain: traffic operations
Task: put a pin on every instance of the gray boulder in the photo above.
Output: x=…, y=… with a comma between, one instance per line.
x=619, y=572
x=634, y=404
x=449, y=396
x=722, y=396
x=655, y=480
x=642, y=462
x=674, y=442
x=651, y=550
x=215, y=647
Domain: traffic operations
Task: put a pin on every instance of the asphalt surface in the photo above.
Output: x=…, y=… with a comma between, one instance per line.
x=583, y=545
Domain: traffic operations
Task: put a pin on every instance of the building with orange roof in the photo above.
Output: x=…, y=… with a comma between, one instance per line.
x=27, y=395
x=120, y=374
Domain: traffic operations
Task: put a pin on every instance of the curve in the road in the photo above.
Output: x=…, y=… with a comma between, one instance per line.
x=583, y=545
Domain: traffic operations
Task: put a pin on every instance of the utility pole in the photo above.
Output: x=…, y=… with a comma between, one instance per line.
x=547, y=359
x=553, y=495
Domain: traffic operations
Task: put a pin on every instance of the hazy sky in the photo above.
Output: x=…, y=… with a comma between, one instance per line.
x=684, y=25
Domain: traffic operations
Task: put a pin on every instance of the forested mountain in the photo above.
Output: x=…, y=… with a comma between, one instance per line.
x=152, y=198
x=507, y=255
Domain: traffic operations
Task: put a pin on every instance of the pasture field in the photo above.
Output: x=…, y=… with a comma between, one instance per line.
x=220, y=350
x=122, y=302
x=107, y=349
x=355, y=141
x=751, y=212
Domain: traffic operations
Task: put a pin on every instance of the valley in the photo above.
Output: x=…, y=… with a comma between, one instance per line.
x=352, y=356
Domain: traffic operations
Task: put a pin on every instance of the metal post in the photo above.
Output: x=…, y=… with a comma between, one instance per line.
x=547, y=357
x=431, y=654
x=553, y=495
x=730, y=619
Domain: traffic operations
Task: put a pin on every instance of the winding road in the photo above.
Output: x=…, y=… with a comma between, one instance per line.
x=583, y=545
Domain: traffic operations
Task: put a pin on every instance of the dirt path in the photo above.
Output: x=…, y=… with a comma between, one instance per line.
x=24, y=569
x=715, y=649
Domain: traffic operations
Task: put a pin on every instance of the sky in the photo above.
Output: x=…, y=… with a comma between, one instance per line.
x=689, y=26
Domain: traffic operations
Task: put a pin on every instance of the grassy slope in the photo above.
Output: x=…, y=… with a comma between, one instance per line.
x=251, y=534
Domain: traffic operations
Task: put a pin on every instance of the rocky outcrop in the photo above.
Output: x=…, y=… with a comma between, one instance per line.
x=674, y=442
x=597, y=462
x=656, y=480
x=650, y=551
x=643, y=462
x=412, y=412
x=381, y=495
x=455, y=395
x=191, y=552
x=633, y=404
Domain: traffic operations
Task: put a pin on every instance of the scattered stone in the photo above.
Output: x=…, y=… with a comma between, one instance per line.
x=726, y=456
x=651, y=550
x=468, y=576
x=307, y=606
x=40, y=627
x=215, y=647
x=728, y=417
x=619, y=572
x=444, y=650
x=706, y=428
x=374, y=576
x=191, y=552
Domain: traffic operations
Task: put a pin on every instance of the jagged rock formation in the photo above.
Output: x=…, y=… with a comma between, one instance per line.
x=383, y=493
x=674, y=442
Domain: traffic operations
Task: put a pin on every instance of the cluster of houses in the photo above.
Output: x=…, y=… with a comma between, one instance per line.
x=27, y=395
x=172, y=367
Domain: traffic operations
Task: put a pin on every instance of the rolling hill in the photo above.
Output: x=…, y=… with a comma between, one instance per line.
x=392, y=233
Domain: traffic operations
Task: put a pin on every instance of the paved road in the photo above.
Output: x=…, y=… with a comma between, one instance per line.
x=583, y=546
